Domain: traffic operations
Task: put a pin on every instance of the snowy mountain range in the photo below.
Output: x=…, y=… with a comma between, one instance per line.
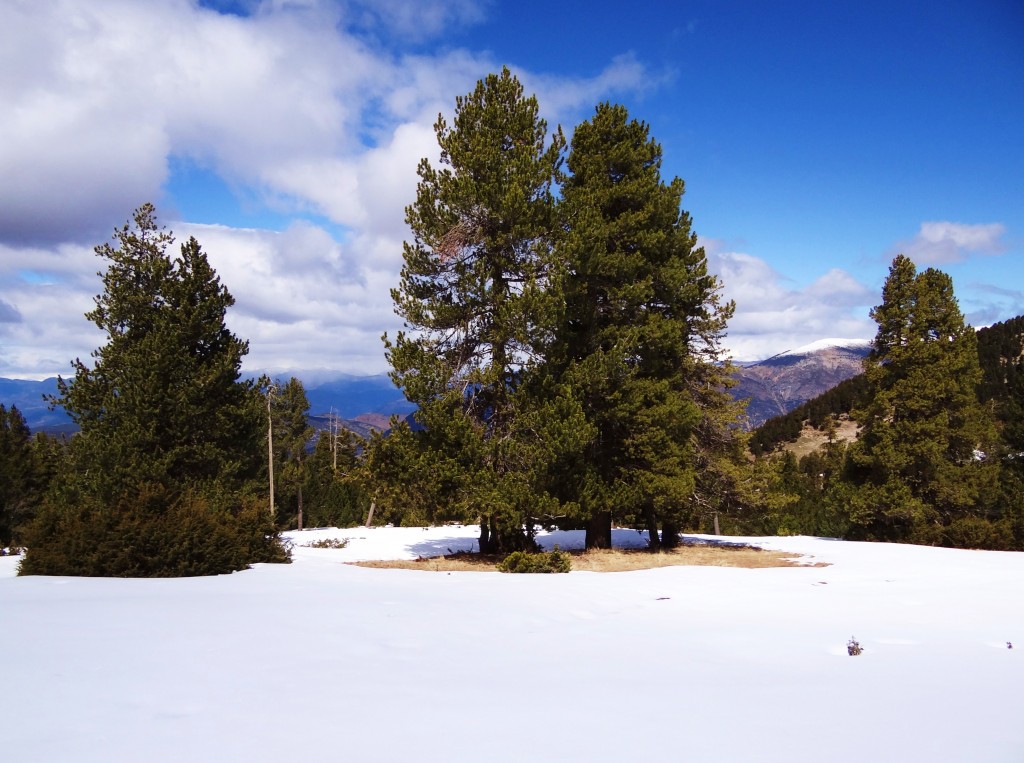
x=778, y=384
x=773, y=386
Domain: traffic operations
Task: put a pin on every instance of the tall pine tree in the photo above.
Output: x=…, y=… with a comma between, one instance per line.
x=470, y=297
x=155, y=483
x=292, y=434
x=17, y=467
x=925, y=455
x=638, y=339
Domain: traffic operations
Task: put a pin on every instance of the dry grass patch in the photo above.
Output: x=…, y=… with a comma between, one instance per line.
x=812, y=439
x=614, y=560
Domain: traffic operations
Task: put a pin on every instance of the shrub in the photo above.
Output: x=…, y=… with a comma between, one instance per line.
x=853, y=647
x=150, y=535
x=327, y=543
x=524, y=561
x=975, y=532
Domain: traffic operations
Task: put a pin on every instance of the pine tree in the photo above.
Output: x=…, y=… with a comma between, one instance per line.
x=638, y=339
x=470, y=293
x=17, y=484
x=924, y=455
x=170, y=438
x=289, y=407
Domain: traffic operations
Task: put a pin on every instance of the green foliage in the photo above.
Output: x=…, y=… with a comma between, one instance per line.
x=565, y=358
x=637, y=338
x=858, y=503
x=150, y=533
x=289, y=407
x=924, y=458
x=327, y=543
x=19, y=491
x=162, y=403
x=170, y=439
x=540, y=562
x=471, y=291
x=976, y=532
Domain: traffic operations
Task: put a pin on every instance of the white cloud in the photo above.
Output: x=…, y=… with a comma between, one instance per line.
x=315, y=106
x=940, y=243
x=772, y=317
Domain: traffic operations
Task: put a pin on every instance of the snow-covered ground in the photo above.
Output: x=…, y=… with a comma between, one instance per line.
x=323, y=661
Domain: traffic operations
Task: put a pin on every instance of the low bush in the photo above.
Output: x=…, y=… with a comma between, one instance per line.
x=524, y=561
x=150, y=534
x=975, y=532
x=327, y=543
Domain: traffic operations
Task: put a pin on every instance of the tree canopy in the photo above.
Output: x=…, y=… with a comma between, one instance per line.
x=563, y=348
x=167, y=427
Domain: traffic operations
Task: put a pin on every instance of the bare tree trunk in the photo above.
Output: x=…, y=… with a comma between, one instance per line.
x=669, y=534
x=300, y=507
x=270, y=449
x=653, y=541
x=599, y=530
x=485, y=536
x=369, y=516
x=717, y=531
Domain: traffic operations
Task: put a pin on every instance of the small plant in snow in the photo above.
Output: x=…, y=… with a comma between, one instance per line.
x=853, y=647
x=327, y=543
x=523, y=561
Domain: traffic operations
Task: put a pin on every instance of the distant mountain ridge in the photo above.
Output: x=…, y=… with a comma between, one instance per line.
x=778, y=384
x=361, y=402
x=773, y=386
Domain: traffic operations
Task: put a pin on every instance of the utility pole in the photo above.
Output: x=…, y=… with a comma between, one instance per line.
x=270, y=445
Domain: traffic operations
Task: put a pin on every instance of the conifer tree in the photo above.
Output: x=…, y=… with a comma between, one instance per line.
x=17, y=493
x=155, y=483
x=638, y=338
x=470, y=298
x=924, y=457
x=292, y=433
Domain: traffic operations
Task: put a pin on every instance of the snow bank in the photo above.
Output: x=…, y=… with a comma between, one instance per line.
x=320, y=660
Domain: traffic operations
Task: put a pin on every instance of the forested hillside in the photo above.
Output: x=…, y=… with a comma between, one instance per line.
x=1000, y=353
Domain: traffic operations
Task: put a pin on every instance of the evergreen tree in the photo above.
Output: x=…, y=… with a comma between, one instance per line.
x=170, y=438
x=470, y=293
x=638, y=339
x=292, y=434
x=924, y=457
x=17, y=483
x=334, y=495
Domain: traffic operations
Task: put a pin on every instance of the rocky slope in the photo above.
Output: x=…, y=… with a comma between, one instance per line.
x=779, y=384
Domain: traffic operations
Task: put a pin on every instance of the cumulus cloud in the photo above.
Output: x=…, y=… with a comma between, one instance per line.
x=9, y=313
x=50, y=290
x=319, y=108
x=772, y=316
x=303, y=301
x=940, y=243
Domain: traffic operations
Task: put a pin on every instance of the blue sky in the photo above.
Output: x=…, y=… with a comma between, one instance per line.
x=816, y=140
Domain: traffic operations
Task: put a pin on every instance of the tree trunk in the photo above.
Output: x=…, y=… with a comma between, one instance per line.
x=599, y=530
x=653, y=541
x=669, y=534
x=270, y=450
x=369, y=516
x=300, y=507
x=485, y=536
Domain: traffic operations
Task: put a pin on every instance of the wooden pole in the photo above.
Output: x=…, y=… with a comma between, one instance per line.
x=270, y=447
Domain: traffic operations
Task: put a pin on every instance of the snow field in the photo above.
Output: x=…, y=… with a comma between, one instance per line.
x=320, y=660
